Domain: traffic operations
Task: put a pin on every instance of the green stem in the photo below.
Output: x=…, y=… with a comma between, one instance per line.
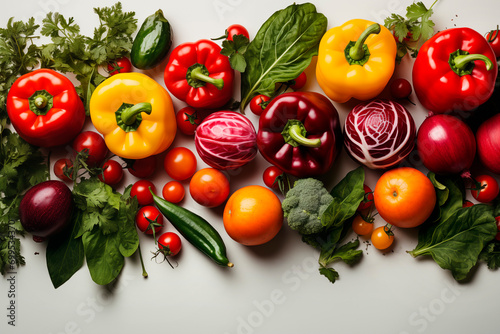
x=144, y=272
x=197, y=73
x=357, y=52
x=295, y=132
x=40, y=101
x=433, y=4
x=462, y=61
x=129, y=115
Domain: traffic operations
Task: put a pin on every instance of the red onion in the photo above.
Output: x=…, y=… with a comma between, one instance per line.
x=226, y=140
x=488, y=144
x=446, y=145
x=379, y=134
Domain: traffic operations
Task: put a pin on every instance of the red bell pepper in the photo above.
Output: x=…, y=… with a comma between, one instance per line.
x=455, y=70
x=199, y=75
x=45, y=108
x=299, y=132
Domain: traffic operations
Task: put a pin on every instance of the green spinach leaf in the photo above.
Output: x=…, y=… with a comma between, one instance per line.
x=281, y=50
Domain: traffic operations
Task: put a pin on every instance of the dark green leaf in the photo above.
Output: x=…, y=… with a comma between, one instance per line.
x=329, y=273
x=65, y=253
x=103, y=256
x=455, y=243
x=281, y=50
x=491, y=255
x=347, y=253
x=129, y=239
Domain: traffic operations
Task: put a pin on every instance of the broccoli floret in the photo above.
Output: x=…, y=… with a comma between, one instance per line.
x=304, y=205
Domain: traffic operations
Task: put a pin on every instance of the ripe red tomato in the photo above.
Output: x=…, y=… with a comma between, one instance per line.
x=400, y=88
x=467, y=204
x=122, y=65
x=169, y=243
x=236, y=29
x=173, y=191
x=143, y=168
x=140, y=189
x=382, y=237
x=258, y=104
x=494, y=40
x=187, y=120
x=209, y=187
x=270, y=176
x=486, y=189
x=149, y=219
x=94, y=143
x=367, y=199
x=62, y=165
x=180, y=163
x=112, y=172
x=300, y=81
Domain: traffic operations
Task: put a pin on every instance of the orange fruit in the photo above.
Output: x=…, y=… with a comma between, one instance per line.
x=404, y=197
x=253, y=215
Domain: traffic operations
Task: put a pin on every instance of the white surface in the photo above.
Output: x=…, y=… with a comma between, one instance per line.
x=274, y=288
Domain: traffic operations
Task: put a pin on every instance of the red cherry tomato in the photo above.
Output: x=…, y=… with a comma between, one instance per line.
x=173, y=191
x=209, y=187
x=169, y=243
x=258, y=104
x=300, y=81
x=112, y=172
x=187, y=120
x=143, y=168
x=367, y=199
x=236, y=29
x=400, y=88
x=140, y=189
x=494, y=40
x=122, y=65
x=62, y=165
x=94, y=143
x=270, y=176
x=486, y=190
x=467, y=204
x=149, y=219
x=180, y=163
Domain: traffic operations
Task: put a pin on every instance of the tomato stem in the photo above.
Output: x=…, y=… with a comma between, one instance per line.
x=144, y=272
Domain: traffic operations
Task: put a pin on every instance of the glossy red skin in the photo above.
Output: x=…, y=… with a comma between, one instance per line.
x=112, y=172
x=438, y=88
x=400, y=88
x=140, y=189
x=123, y=62
x=94, y=142
x=256, y=104
x=445, y=144
x=59, y=168
x=300, y=81
x=489, y=189
x=236, y=29
x=488, y=144
x=184, y=122
x=320, y=119
x=206, y=53
x=45, y=209
x=367, y=200
x=145, y=213
x=494, y=39
x=143, y=168
x=61, y=123
x=269, y=176
x=172, y=241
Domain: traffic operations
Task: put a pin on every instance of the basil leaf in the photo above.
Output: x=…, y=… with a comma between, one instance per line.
x=347, y=195
x=104, y=259
x=281, y=50
x=65, y=254
x=455, y=243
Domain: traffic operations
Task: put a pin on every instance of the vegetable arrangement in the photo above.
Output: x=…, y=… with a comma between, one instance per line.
x=298, y=132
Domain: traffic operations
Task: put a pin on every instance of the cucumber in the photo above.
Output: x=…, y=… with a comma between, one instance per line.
x=152, y=42
x=195, y=229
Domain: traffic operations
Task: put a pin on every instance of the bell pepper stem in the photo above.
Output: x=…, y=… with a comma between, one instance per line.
x=463, y=60
x=197, y=73
x=41, y=101
x=357, y=52
x=295, y=132
x=129, y=115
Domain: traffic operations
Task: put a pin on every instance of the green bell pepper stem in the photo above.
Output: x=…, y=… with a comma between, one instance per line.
x=357, y=52
x=197, y=73
x=463, y=60
x=41, y=101
x=295, y=132
x=129, y=115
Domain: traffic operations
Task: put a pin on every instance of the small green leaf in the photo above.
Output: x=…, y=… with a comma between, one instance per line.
x=329, y=273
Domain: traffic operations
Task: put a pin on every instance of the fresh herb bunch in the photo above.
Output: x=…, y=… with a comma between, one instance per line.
x=413, y=30
x=72, y=52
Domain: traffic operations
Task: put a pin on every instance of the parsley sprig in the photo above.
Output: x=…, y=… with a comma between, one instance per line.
x=413, y=30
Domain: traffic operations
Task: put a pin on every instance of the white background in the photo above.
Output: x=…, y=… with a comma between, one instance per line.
x=274, y=288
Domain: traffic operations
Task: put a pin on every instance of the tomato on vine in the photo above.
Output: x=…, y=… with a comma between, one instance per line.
x=494, y=40
x=121, y=65
x=382, y=237
x=63, y=169
x=112, y=172
x=236, y=29
x=169, y=244
x=140, y=189
x=95, y=146
x=149, y=220
x=485, y=188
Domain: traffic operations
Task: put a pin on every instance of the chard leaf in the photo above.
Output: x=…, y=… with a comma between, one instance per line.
x=65, y=254
x=455, y=243
x=281, y=50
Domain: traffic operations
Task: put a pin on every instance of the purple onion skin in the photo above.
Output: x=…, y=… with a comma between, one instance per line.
x=45, y=209
x=446, y=145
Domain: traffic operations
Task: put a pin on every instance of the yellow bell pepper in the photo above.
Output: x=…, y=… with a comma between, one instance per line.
x=355, y=60
x=135, y=115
